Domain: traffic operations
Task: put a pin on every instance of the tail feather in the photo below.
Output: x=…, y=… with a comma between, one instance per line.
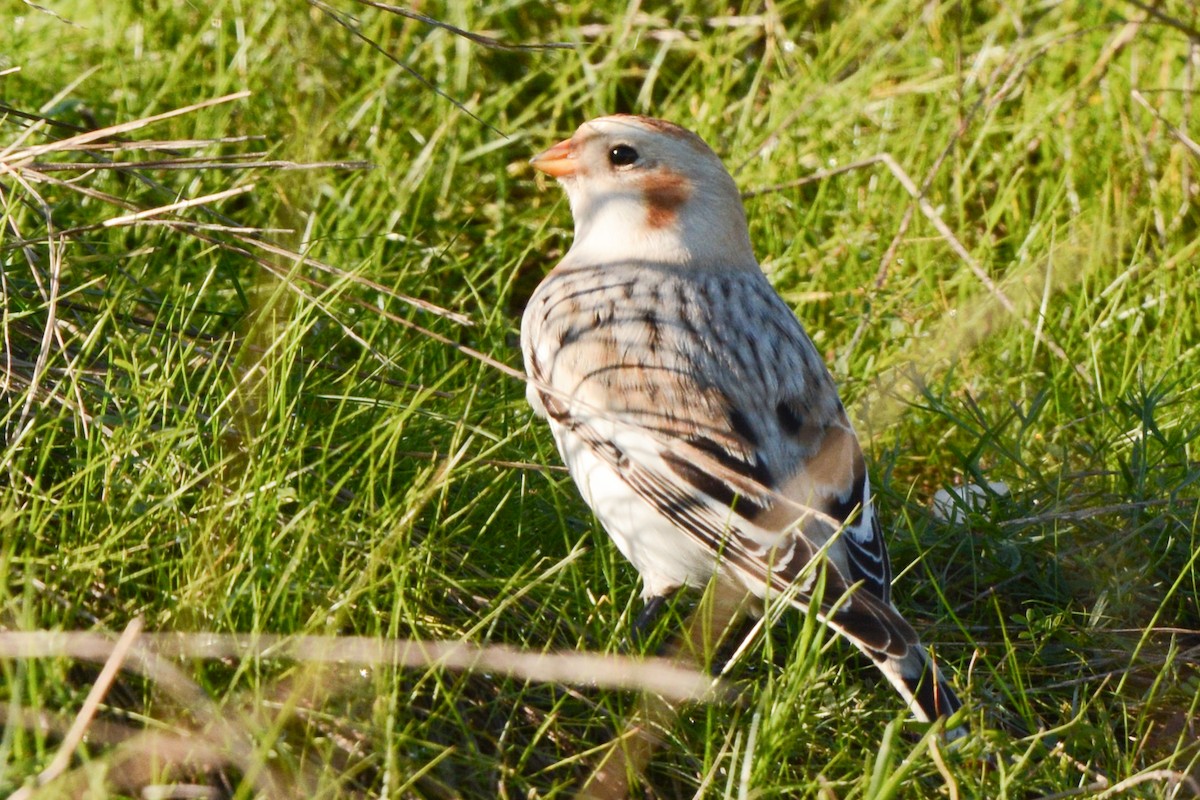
x=881, y=632
x=922, y=685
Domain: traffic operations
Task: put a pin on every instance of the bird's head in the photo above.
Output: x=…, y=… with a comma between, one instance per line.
x=646, y=190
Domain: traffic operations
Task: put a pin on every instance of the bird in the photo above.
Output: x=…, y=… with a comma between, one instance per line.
x=691, y=408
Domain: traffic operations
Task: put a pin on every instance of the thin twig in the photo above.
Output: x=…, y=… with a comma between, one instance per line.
x=1191, y=32
x=819, y=175
x=477, y=38
x=66, y=749
x=663, y=676
x=129, y=219
x=930, y=213
x=935, y=753
x=352, y=26
x=16, y=157
x=1178, y=133
x=1076, y=515
x=235, y=161
x=1168, y=776
x=491, y=462
x=424, y=305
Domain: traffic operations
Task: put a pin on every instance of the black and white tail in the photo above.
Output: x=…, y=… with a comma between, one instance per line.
x=922, y=685
x=881, y=632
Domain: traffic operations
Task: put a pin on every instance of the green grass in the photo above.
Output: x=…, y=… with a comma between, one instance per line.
x=217, y=438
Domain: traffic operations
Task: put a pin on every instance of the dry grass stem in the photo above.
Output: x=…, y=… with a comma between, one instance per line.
x=62, y=758
x=128, y=219
x=629, y=754
x=13, y=158
x=663, y=676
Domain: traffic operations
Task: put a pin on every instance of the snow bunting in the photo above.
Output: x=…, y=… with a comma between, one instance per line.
x=692, y=410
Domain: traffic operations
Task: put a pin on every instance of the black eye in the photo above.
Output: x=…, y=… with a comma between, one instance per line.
x=622, y=155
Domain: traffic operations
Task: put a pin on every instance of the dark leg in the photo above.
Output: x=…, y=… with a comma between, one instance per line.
x=644, y=624
x=737, y=633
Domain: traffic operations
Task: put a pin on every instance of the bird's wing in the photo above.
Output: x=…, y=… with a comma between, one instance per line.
x=790, y=431
x=719, y=504
x=725, y=420
x=819, y=463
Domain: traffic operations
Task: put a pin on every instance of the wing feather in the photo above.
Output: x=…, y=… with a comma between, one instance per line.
x=736, y=437
x=770, y=558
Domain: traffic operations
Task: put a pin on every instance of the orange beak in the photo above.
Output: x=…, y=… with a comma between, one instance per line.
x=558, y=161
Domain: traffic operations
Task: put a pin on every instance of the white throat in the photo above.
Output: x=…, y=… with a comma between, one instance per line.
x=615, y=226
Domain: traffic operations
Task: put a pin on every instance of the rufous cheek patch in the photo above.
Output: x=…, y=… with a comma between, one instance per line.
x=665, y=192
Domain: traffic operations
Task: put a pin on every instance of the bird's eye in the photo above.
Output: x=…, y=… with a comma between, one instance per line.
x=622, y=155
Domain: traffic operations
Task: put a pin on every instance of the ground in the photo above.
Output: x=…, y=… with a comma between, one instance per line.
x=285, y=399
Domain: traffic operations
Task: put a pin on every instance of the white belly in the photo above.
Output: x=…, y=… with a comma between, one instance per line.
x=663, y=555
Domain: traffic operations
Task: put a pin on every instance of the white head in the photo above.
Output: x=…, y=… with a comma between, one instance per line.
x=646, y=190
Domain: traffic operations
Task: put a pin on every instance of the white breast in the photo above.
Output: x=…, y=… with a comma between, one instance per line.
x=664, y=556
